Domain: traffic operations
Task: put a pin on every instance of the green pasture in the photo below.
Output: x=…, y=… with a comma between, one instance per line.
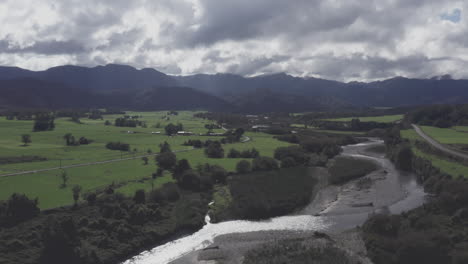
x=455, y=135
x=381, y=119
x=450, y=167
x=129, y=175
x=341, y=132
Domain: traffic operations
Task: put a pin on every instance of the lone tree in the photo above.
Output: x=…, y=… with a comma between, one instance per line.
x=68, y=138
x=26, y=139
x=64, y=177
x=145, y=160
x=182, y=166
x=166, y=160
x=76, y=193
x=214, y=150
x=165, y=147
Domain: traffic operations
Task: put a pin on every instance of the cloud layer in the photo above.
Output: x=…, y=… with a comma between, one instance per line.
x=334, y=39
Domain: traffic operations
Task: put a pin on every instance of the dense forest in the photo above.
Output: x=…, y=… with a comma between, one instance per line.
x=442, y=116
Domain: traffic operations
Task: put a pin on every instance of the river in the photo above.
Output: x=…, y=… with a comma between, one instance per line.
x=334, y=208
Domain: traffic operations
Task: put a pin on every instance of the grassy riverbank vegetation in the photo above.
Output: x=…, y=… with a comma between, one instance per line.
x=312, y=250
x=261, y=195
x=381, y=119
x=344, y=169
x=434, y=233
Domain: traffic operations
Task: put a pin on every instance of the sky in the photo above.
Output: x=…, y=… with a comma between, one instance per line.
x=345, y=40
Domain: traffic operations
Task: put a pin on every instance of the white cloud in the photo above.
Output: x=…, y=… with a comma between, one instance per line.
x=335, y=39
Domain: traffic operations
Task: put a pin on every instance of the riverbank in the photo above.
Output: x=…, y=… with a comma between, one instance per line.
x=335, y=209
x=434, y=233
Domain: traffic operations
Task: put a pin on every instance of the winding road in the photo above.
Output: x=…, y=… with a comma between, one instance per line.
x=437, y=145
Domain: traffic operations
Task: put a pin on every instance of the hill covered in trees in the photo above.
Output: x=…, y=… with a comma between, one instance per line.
x=120, y=85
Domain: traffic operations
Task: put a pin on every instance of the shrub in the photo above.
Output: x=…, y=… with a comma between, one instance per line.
x=243, y=166
x=21, y=208
x=139, y=197
x=288, y=162
x=296, y=153
x=345, y=169
x=214, y=150
x=264, y=164
x=118, y=146
x=170, y=192
x=234, y=154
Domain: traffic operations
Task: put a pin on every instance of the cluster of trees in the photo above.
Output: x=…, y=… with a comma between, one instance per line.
x=105, y=229
x=234, y=120
x=18, y=208
x=267, y=193
x=201, y=178
x=118, y=146
x=19, y=115
x=95, y=114
x=44, y=122
x=233, y=136
x=320, y=147
x=245, y=154
x=128, y=122
x=292, y=156
x=71, y=141
x=442, y=116
x=196, y=143
x=211, y=127
x=215, y=150
x=20, y=159
x=172, y=129
x=398, y=149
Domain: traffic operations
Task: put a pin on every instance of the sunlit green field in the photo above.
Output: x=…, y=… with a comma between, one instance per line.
x=450, y=167
x=456, y=135
x=131, y=174
x=382, y=119
x=341, y=132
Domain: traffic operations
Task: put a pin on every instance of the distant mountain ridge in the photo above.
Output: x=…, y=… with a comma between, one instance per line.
x=276, y=92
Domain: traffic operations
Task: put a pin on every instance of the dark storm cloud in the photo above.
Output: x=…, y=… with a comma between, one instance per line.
x=250, y=66
x=44, y=47
x=246, y=19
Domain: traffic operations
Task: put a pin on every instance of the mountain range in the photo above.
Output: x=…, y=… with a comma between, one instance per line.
x=125, y=87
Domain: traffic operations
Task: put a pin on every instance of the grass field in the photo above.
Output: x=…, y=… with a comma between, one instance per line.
x=454, y=135
x=450, y=167
x=132, y=174
x=382, y=119
x=341, y=132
